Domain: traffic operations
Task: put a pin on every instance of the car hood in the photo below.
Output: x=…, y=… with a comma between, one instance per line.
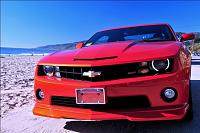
x=114, y=53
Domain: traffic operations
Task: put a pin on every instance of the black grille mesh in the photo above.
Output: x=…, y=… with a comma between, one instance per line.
x=107, y=72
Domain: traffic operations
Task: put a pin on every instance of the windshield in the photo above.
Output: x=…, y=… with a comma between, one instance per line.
x=141, y=33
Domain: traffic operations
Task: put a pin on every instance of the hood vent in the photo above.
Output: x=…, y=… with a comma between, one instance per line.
x=91, y=59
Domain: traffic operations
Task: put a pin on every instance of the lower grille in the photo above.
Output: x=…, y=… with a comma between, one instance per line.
x=112, y=103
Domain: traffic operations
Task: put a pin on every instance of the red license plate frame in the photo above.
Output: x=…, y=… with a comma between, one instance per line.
x=90, y=96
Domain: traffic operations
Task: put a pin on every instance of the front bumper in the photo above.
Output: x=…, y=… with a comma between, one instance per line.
x=157, y=113
x=149, y=86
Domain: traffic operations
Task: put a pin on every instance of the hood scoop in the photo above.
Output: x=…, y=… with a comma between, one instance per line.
x=91, y=59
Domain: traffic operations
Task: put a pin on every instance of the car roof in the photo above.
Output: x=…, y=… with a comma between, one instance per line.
x=135, y=26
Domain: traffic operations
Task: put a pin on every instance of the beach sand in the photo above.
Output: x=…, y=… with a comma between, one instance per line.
x=17, y=98
x=17, y=79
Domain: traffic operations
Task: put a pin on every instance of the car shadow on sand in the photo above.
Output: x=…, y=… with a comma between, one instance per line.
x=154, y=127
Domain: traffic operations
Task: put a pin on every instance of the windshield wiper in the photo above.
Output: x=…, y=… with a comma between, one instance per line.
x=143, y=40
x=136, y=42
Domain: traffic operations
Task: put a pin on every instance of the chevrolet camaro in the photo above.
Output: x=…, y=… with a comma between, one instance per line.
x=136, y=73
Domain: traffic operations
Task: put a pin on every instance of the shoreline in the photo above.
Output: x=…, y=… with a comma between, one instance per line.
x=24, y=54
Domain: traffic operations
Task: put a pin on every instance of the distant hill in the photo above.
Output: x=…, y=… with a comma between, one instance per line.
x=68, y=46
x=72, y=45
x=197, y=34
x=59, y=46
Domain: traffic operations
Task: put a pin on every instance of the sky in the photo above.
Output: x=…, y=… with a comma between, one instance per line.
x=30, y=24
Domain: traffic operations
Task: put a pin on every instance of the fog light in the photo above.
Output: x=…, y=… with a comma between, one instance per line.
x=169, y=94
x=39, y=94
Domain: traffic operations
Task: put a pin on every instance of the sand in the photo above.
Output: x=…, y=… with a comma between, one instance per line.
x=17, y=79
x=17, y=98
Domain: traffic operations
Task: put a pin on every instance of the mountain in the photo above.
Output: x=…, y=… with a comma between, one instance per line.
x=59, y=46
x=68, y=46
x=197, y=34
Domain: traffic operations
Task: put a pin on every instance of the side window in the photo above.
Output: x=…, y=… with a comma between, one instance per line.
x=103, y=39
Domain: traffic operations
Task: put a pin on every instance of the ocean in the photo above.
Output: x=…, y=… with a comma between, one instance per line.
x=24, y=51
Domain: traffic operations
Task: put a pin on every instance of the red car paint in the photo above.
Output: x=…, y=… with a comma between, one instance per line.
x=148, y=86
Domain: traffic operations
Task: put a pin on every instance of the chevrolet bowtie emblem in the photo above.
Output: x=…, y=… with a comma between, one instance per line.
x=91, y=74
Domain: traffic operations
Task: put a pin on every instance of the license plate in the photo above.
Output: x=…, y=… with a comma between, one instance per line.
x=90, y=96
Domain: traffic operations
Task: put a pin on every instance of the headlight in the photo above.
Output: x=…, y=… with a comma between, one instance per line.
x=57, y=72
x=48, y=70
x=160, y=65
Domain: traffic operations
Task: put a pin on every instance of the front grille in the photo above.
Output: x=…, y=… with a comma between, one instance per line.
x=109, y=72
x=126, y=102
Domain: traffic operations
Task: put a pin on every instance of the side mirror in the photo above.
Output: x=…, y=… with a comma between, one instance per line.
x=79, y=45
x=185, y=37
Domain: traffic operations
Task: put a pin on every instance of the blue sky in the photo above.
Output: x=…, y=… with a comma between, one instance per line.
x=32, y=24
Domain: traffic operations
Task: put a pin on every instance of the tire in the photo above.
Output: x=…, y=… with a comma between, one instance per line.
x=189, y=115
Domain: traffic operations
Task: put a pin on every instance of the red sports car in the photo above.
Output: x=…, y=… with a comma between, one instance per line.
x=138, y=73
